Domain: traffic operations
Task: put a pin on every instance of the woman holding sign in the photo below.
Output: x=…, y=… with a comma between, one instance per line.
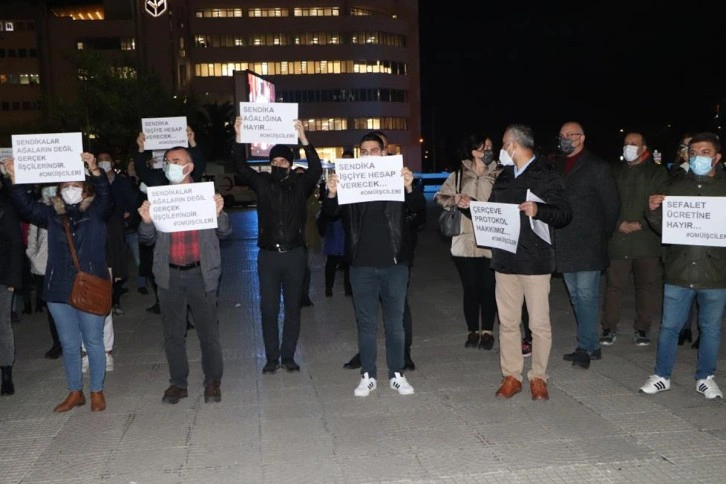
x=87, y=205
x=473, y=181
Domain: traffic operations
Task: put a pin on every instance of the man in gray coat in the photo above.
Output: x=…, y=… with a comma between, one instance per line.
x=581, y=248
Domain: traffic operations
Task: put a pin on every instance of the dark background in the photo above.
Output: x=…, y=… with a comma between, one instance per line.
x=655, y=67
x=652, y=66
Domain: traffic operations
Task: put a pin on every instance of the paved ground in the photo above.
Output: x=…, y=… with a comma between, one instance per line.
x=308, y=427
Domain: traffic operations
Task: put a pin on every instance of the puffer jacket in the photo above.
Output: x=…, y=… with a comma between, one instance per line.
x=694, y=266
x=534, y=256
x=281, y=205
x=88, y=229
x=478, y=188
x=635, y=184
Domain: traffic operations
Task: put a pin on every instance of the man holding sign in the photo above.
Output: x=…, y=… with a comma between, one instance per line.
x=525, y=275
x=187, y=267
x=691, y=271
x=282, y=259
x=380, y=251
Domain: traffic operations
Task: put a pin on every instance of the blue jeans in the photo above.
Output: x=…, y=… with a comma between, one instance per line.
x=388, y=285
x=676, y=306
x=132, y=242
x=584, y=290
x=74, y=325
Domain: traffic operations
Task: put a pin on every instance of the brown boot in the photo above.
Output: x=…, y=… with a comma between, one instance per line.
x=98, y=402
x=74, y=399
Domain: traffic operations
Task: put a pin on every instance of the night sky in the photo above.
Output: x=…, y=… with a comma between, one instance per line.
x=638, y=65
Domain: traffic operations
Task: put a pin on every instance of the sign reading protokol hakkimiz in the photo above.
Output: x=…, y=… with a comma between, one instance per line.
x=694, y=221
x=187, y=206
x=164, y=133
x=496, y=225
x=271, y=123
x=48, y=158
x=370, y=179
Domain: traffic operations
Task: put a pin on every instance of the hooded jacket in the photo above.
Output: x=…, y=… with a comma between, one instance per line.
x=88, y=229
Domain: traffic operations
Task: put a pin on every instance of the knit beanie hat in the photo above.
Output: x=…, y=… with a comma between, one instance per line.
x=282, y=151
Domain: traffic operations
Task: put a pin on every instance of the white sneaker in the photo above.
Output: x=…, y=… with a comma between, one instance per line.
x=366, y=386
x=109, y=362
x=655, y=384
x=401, y=385
x=709, y=388
x=84, y=363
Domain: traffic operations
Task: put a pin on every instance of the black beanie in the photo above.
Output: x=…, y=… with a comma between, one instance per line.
x=282, y=151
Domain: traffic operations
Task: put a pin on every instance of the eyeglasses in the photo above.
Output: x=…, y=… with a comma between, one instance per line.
x=570, y=135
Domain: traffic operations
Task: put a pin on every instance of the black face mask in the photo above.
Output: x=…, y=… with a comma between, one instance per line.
x=279, y=173
x=488, y=157
x=566, y=146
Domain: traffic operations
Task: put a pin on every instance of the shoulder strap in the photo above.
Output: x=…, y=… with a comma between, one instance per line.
x=458, y=180
x=67, y=228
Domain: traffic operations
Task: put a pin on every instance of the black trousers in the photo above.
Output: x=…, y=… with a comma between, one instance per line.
x=478, y=281
x=281, y=274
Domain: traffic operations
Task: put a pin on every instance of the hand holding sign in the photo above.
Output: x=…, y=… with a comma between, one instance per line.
x=9, y=167
x=144, y=212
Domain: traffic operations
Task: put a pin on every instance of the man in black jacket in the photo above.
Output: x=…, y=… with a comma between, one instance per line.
x=379, y=250
x=525, y=275
x=581, y=247
x=281, y=214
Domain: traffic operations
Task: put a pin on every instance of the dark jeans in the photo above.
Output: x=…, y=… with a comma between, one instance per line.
x=332, y=262
x=648, y=274
x=477, y=280
x=281, y=273
x=387, y=286
x=186, y=288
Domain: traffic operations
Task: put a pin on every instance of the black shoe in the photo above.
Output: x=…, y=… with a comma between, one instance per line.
x=354, y=363
x=270, y=367
x=684, y=336
x=306, y=302
x=580, y=358
x=143, y=290
x=54, y=353
x=409, y=365
x=486, y=342
x=595, y=355
x=290, y=365
x=472, y=341
x=155, y=309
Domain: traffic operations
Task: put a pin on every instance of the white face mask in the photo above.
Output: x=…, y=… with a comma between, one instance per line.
x=48, y=192
x=630, y=153
x=72, y=195
x=175, y=173
x=504, y=157
x=105, y=166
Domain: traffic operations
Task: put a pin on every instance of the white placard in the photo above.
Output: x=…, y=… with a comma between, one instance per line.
x=48, y=158
x=694, y=221
x=187, y=206
x=270, y=123
x=164, y=133
x=370, y=179
x=6, y=153
x=157, y=159
x=538, y=227
x=496, y=225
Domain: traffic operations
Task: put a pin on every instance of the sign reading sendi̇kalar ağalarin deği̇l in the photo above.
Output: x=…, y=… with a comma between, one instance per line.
x=48, y=158
x=182, y=207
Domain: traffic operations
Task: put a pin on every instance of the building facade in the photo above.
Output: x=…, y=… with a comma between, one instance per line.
x=352, y=67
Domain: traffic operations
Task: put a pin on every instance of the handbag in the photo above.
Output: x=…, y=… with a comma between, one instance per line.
x=90, y=293
x=450, y=219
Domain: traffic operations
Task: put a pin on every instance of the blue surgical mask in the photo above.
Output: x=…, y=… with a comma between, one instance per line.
x=700, y=165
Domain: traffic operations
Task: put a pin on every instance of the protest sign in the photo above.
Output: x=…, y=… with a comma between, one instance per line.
x=694, y=221
x=370, y=179
x=271, y=123
x=186, y=206
x=6, y=153
x=164, y=133
x=496, y=225
x=157, y=159
x=48, y=158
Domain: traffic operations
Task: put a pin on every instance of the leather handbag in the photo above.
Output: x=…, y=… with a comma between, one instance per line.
x=90, y=293
x=450, y=219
